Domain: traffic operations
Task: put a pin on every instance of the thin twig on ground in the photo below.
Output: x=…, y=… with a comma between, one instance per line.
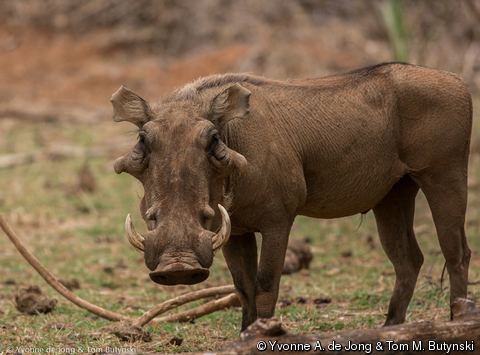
x=183, y=299
x=228, y=301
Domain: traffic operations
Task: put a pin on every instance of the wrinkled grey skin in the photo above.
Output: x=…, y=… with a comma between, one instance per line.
x=326, y=148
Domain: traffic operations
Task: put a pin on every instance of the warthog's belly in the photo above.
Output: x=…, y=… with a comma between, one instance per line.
x=348, y=188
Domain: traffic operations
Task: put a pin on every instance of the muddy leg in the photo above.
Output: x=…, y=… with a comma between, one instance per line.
x=447, y=197
x=274, y=246
x=241, y=255
x=394, y=216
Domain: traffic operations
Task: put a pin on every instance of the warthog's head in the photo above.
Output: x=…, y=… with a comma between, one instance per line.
x=182, y=163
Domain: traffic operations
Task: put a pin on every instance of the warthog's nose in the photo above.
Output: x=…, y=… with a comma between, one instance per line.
x=179, y=273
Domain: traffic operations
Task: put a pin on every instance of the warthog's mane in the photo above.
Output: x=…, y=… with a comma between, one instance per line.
x=191, y=91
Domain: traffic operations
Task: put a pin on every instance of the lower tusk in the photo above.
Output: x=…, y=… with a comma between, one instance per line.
x=221, y=238
x=136, y=239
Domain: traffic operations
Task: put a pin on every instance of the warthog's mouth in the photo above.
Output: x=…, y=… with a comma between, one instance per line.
x=179, y=273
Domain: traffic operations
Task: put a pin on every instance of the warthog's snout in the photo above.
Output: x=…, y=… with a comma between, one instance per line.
x=179, y=273
x=178, y=257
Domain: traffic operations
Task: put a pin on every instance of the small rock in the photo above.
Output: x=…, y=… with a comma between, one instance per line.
x=463, y=308
x=31, y=301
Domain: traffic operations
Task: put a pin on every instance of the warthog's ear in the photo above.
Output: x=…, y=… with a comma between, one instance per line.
x=233, y=102
x=128, y=106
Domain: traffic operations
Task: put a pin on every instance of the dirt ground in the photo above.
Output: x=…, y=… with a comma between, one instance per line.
x=54, y=108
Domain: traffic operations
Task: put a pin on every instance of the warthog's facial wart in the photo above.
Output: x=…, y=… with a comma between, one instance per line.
x=182, y=162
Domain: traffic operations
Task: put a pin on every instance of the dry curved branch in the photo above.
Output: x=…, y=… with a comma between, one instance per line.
x=181, y=300
x=53, y=281
x=207, y=308
x=163, y=307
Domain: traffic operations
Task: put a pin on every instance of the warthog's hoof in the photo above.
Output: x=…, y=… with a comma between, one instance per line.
x=270, y=327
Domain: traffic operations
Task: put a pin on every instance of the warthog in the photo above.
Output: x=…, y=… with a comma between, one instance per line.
x=230, y=155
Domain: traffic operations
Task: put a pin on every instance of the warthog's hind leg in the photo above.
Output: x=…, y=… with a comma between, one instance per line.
x=446, y=193
x=241, y=255
x=394, y=216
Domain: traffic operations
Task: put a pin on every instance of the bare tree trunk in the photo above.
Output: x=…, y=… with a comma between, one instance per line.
x=455, y=337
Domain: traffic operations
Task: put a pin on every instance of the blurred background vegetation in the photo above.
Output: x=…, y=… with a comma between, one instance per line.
x=276, y=38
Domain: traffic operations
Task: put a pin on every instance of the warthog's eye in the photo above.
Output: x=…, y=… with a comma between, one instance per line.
x=213, y=142
x=216, y=150
x=206, y=216
x=140, y=150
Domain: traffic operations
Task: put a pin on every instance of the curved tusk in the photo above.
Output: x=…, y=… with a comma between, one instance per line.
x=136, y=239
x=221, y=238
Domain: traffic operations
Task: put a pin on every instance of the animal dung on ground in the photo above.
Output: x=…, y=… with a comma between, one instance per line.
x=176, y=341
x=298, y=256
x=322, y=300
x=129, y=332
x=9, y=282
x=30, y=300
x=301, y=300
x=284, y=302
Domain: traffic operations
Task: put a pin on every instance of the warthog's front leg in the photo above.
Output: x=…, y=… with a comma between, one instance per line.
x=241, y=255
x=274, y=246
